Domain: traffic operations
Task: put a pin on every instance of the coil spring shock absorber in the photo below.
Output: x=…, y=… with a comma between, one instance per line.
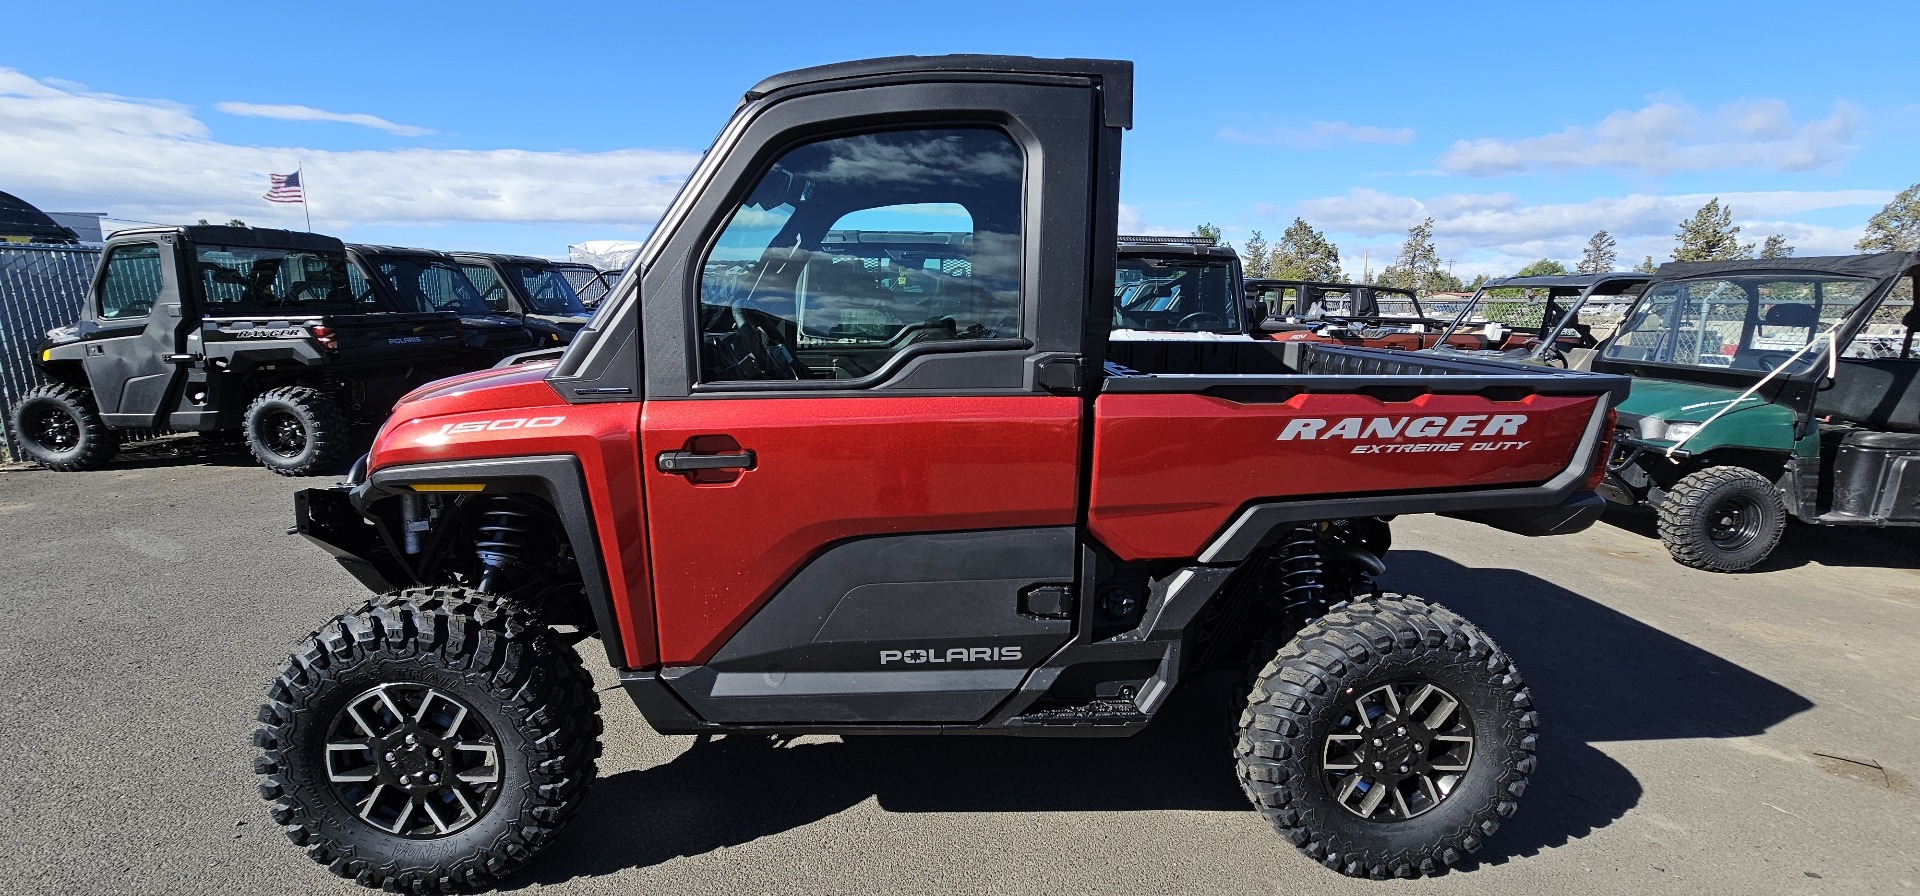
x=1302, y=573
x=502, y=534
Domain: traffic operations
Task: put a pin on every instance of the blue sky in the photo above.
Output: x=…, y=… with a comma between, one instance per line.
x=1521, y=128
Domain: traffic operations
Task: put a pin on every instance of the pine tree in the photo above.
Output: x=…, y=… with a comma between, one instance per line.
x=1646, y=267
x=1254, y=259
x=1418, y=267
x=1545, y=267
x=1895, y=228
x=1303, y=253
x=1479, y=280
x=1776, y=247
x=1208, y=231
x=1599, y=256
x=1710, y=235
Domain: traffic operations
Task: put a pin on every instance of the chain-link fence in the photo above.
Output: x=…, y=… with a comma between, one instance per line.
x=41, y=287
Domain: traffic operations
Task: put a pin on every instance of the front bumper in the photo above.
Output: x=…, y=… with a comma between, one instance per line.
x=328, y=518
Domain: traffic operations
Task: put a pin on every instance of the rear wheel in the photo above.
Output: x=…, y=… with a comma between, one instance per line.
x=296, y=430
x=1722, y=519
x=1390, y=738
x=59, y=427
x=431, y=742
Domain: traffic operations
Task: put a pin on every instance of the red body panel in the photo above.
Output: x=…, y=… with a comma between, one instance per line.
x=602, y=436
x=829, y=469
x=1169, y=470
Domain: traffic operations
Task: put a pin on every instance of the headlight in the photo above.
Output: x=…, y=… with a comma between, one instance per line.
x=1678, y=431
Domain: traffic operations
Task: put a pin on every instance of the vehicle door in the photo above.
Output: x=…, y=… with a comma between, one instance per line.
x=862, y=493
x=136, y=354
x=492, y=287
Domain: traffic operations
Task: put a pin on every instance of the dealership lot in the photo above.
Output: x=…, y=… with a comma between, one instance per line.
x=1703, y=733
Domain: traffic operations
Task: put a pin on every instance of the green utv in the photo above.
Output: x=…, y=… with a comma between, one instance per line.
x=1764, y=390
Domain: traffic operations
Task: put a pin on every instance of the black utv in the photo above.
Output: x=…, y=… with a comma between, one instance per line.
x=270, y=334
x=534, y=289
x=426, y=280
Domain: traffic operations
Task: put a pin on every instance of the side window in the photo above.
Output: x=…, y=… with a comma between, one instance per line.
x=851, y=249
x=132, y=282
x=357, y=283
x=492, y=291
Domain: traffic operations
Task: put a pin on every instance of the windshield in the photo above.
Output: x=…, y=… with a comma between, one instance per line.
x=1168, y=293
x=248, y=279
x=1744, y=322
x=546, y=290
x=424, y=283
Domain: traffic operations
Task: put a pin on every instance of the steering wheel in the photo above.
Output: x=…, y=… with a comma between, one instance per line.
x=1550, y=354
x=1203, y=320
x=762, y=338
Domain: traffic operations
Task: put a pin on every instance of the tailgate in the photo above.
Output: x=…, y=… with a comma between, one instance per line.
x=1178, y=458
x=396, y=337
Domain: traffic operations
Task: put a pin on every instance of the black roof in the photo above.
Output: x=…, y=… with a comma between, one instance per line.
x=374, y=249
x=258, y=237
x=1569, y=281
x=1177, y=248
x=504, y=258
x=1115, y=76
x=1877, y=266
x=19, y=218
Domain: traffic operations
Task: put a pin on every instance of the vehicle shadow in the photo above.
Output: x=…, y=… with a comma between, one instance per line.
x=1803, y=544
x=1597, y=675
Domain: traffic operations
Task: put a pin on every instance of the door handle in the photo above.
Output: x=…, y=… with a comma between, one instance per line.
x=182, y=359
x=693, y=461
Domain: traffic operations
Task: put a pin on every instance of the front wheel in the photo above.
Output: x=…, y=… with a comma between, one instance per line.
x=296, y=430
x=434, y=741
x=1722, y=519
x=1388, y=739
x=59, y=427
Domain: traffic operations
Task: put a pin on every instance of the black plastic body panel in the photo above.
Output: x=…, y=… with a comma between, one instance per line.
x=910, y=628
x=375, y=560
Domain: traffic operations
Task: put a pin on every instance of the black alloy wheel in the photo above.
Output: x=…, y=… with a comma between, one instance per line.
x=414, y=761
x=1398, y=751
x=59, y=427
x=1722, y=519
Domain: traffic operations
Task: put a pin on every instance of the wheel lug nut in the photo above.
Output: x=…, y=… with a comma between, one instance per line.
x=1418, y=747
x=1400, y=730
x=1376, y=741
x=1379, y=765
x=389, y=755
x=410, y=739
x=433, y=779
x=1403, y=769
x=436, y=752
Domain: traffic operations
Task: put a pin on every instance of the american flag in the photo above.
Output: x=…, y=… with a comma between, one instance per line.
x=286, y=188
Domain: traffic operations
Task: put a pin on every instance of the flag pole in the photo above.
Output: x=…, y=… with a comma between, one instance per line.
x=303, y=197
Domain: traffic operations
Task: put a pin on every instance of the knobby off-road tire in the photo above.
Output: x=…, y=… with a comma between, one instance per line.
x=1722, y=519
x=297, y=430
x=430, y=652
x=59, y=427
x=1302, y=745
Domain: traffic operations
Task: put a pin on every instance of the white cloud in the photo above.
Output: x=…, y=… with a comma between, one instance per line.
x=1669, y=136
x=154, y=160
x=1497, y=228
x=288, y=112
x=1315, y=135
x=1133, y=223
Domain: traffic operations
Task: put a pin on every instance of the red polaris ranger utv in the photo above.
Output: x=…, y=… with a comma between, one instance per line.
x=792, y=489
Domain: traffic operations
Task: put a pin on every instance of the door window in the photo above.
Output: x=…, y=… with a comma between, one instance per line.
x=851, y=249
x=132, y=282
x=492, y=290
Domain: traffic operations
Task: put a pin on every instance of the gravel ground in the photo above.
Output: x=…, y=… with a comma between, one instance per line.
x=1703, y=733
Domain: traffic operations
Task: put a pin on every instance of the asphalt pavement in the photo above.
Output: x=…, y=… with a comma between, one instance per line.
x=1702, y=733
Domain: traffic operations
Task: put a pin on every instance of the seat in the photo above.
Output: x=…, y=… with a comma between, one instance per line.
x=1879, y=394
